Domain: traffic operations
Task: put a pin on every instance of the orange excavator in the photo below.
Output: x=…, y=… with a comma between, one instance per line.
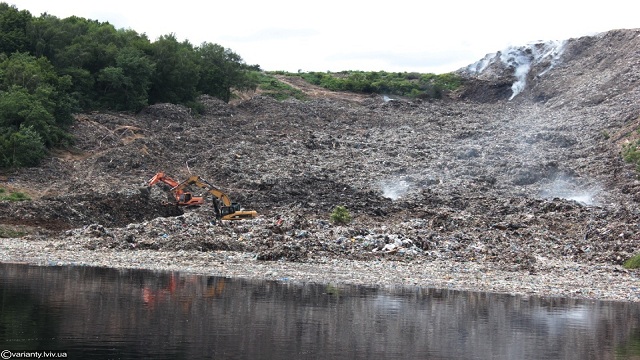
x=224, y=208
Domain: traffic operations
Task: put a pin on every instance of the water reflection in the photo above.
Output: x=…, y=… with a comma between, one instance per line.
x=105, y=313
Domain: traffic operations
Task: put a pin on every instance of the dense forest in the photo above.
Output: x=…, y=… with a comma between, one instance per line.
x=51, y=68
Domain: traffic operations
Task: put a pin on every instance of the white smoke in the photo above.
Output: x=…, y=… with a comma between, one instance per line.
x=524, y=57
x=394, y=189
x=521, y=59
x=480, y=65
x=566, y=188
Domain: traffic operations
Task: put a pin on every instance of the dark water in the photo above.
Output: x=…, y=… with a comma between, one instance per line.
x=125, y=314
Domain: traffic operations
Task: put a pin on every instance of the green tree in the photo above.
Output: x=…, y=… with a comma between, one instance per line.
x=32, y=94
x=26, y=71
x=53, y=38
x=88, y=64
x=19, y=108
x=13, y=29
x=176, y=71
x=126, y=85
x=21, y=148
x=86, y=50
x=222, y=70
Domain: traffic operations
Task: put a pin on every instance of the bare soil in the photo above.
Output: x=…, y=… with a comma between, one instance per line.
x=473, y=178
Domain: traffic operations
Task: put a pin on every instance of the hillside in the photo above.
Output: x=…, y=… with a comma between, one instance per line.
x=495, y=175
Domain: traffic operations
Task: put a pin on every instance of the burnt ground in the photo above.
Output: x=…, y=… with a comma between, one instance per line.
x=472, y=177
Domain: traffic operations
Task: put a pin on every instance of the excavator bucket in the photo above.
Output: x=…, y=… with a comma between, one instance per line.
x=233, y=212
x=145, y=191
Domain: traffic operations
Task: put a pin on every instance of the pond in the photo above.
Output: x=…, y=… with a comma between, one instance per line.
x=101, y=313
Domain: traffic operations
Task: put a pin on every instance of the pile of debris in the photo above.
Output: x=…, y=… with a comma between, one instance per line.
x=460, y=179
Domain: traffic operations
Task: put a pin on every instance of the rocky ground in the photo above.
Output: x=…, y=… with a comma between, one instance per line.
x=482, y=190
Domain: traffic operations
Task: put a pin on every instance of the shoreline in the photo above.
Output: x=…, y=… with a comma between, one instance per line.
x=551, y=278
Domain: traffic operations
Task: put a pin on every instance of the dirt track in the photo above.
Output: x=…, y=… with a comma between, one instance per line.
x=473, y=179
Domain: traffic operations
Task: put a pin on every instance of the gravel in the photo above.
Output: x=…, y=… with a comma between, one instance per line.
x=190, y=244
x=552, y=277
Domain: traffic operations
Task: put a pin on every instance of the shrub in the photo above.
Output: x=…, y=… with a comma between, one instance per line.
x=278, y=90
x=21, y=148
x=13, y=196
x=340, y=215
x=10, y=233
x=18, y=196
x=426, y=86
x=633, y=262
x=196, y=107
x=631, y=153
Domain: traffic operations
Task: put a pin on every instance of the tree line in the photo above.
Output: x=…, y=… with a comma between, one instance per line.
x=51, y=68
x=415, y=85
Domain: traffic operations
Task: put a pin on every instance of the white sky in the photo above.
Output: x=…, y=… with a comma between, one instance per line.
x=401, y=35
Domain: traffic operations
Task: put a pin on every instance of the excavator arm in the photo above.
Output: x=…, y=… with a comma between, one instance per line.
x=162, y=177
x=224, y=208
x=181, y=197
x=199, y=182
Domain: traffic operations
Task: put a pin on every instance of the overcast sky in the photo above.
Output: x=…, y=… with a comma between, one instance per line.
x=331, y=35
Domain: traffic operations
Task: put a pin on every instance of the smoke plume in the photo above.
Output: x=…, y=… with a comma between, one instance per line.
x=522, y=59
x=394, y=189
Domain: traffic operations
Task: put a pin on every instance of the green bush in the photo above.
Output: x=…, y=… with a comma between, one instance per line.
x=10, y=233
x=196, y=107
x=21, y=148
x=631, y=153
x=404, y=84
x=18, y=196
x=278, y=90
x=340, y=215
x=13, y=196
x=633, y=262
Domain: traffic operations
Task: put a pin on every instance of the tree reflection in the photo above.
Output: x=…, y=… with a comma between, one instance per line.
x=98, y=312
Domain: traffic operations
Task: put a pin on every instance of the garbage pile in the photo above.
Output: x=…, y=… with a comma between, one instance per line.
x=460, y=178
